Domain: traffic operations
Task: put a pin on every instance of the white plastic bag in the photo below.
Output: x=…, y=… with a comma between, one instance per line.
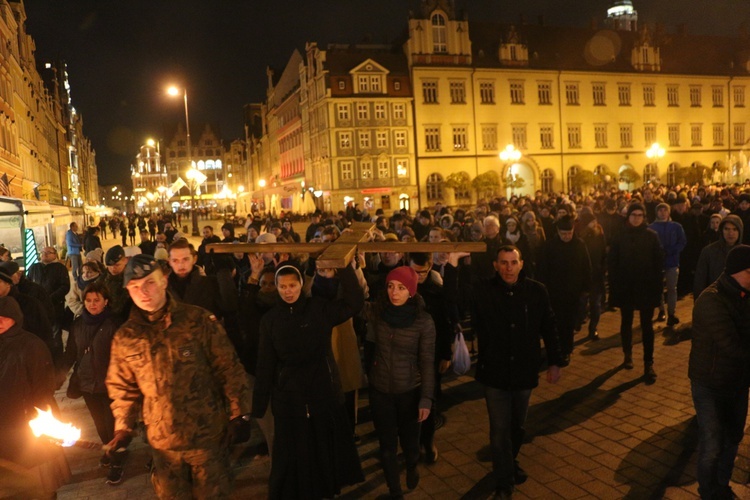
x=461, y=358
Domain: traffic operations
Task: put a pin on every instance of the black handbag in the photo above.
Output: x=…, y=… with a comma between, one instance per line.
x=74, y=385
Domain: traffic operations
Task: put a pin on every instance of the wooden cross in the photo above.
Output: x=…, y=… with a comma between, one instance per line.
x=339, y=253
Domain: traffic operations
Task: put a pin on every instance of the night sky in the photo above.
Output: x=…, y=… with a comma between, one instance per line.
x=122, y=54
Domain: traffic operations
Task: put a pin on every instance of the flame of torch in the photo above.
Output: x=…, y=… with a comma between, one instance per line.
x=47, y=425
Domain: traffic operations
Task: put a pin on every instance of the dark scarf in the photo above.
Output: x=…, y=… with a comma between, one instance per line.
x=325, y=287
x=98, y=319
x=82, y=284
x=399, y=316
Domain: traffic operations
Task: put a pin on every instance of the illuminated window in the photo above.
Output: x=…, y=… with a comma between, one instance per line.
x=439, y=36
x=345, y=140
x=650, y=173
x=626, y=135
x=366, y=169
x=460, y=141
x=718, y=133
x=546, y=136
x=347, y=170
x=432, y=138
x=489, y=137
x=384, y=168
x=649, y=94
x=364, y=139
x=695, y=96
x=572, y=94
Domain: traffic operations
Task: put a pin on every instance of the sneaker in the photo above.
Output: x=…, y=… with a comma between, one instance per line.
x=519, y=474
x=661, y=316
x=412, y=478
x=672, y=320
x=114, y=476
x=594, y=336
x=628, y=362
x=431, y=456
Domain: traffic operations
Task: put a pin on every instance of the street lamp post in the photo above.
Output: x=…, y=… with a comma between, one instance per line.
x=510, y=155
x=174, y=91
x=655, y=152
x=262, y=184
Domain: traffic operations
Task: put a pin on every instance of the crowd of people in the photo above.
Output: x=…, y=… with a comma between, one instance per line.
x=185, y=346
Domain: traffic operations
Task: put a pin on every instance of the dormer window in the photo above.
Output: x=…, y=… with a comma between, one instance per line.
x=439, y=34
x=369, y=78
x=513, y=52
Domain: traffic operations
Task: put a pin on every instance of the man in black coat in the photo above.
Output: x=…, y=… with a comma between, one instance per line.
x=565, y=270
x=719, y=372
x=635, y=264
x=53, y=276
x=36, y=319
x=512, y=315
x=208, y=238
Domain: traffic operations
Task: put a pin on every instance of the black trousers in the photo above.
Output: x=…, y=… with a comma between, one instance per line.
x=647, y=329
x=395, y=418
x=101, y=413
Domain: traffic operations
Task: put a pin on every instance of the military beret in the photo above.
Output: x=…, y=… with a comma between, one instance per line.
x=114, y=255
x=139, y=267
x=10, y=268
x=4, y=276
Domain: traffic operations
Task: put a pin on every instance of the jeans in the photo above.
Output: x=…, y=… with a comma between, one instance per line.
x=721, y=425
x=647, y=329
x=671, y=276
x=507, y=411
x=75, y=264
x=395, y=418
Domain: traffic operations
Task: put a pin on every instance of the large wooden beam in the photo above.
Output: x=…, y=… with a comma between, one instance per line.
x=422, y=246
x=266, y=247
x=342, y=251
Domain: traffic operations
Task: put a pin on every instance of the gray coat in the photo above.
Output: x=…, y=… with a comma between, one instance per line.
x=404, y=358
x=711, y=261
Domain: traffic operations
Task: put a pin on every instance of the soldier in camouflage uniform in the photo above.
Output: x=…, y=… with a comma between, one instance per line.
x=178, y=361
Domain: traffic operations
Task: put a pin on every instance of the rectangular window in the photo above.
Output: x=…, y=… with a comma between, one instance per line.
x=739, y=96
x=487, y=92
x=432, y=138
x=739, y=134
x=344, y=112
x=574, y=135
x=718, y=133
x=696, y=134
x=600, y=135
x=626, y=135
x=489, y=137
x=717, y=96
x=517, y=93
x=381, y=138
x=364, y=83
x=402, y=167
x=649, y=94
x=599, y=93
x=380, y=111
x=673, y=95
x=366, y=169
x=384, y=168
x=674, y=135
x=400, y=138
x=345, y=140
x=460, y=142
x=623, y=93
x=375, y=83
x=571, y=93
x=695, y=96
x=458, y=92
x=363, y=111
x=347, y=170
x=430, y=91
x=399, y=111
x=519, y=135
x=649, y=134
x=364, y=139
x=544, y=90
x=546, y=136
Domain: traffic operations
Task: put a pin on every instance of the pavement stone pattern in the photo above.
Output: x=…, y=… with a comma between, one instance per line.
x=600, y=433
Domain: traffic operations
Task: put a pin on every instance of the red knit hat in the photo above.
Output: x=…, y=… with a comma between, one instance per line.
x=406, y=276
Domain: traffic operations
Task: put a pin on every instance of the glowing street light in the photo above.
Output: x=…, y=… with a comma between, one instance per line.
x=510, y=154
x=174, y=92
x=655, y=152
x=262, y=185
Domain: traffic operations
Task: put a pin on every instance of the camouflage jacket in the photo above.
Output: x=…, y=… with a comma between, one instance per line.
x=185, y=372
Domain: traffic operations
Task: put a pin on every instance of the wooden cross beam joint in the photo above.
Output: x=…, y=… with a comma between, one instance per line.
x=339, y=253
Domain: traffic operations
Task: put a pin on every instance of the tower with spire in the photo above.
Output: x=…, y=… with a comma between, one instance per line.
x=622, y=16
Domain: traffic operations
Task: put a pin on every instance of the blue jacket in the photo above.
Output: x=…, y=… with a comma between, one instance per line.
x=673, y=240
x=73, y=242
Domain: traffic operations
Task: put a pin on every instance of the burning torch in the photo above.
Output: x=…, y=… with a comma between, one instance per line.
x=65, y=435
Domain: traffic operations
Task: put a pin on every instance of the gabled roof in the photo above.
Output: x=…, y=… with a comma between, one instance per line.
x=342, y=61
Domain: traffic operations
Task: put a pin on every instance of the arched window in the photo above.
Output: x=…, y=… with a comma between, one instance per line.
x=672, y=174
x=463, y=194
x=572, y=172
x=737, y=169
x=548, y=177
x=650, y=173
x=439, y=36
x=434, y=187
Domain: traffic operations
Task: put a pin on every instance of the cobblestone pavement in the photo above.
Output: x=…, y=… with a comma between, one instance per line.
x=599, y=433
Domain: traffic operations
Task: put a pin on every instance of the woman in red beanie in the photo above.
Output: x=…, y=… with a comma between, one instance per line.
x=401, y=347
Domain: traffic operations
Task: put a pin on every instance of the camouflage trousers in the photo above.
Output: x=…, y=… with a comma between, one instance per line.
x=191, y=474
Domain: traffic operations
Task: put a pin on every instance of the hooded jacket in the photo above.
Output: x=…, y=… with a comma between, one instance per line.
x=711, y=261
x=672, y=238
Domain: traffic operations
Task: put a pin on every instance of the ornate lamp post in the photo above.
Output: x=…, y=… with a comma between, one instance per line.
x=510, y=155
x=174, y=91
x=655, y=153
x=262, y=185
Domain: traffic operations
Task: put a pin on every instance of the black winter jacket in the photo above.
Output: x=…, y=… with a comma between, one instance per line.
x=89, y=345
x=565, y=269
x=636, y=268
x=510, y=321
x=296, y=368
x=720, y=351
